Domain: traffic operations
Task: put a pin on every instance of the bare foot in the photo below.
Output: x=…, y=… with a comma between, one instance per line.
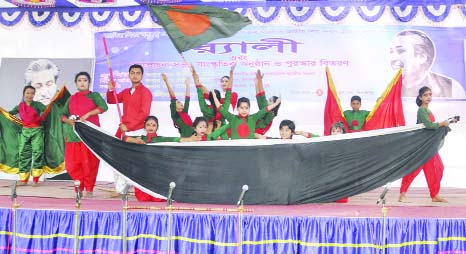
x=35, y=184
x=402, y=198
x=439, y=199
x=88, y=194
x=21, y=183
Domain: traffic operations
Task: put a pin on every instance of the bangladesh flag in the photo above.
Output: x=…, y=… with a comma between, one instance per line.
x=192, y=26
x=332, y=112
x=388, y=111
x=10, y=129
x=54, y=142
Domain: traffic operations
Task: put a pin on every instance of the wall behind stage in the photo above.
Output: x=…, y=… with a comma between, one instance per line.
x=55, y=41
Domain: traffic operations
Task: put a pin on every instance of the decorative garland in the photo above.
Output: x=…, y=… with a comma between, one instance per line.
x=40, y=18
x=430, y=12
x=11, y=18
x=404, y=13
x=100, y=18
x=367, y=12
x=265, y=14
x=132, y=16
x=300, y=14
x=70, y=19
x=339, y=12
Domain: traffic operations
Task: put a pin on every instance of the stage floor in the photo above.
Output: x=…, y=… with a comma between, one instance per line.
x=60, y=195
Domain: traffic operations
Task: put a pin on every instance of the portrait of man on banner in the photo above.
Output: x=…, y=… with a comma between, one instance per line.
x=415, y=52
x=42, y=74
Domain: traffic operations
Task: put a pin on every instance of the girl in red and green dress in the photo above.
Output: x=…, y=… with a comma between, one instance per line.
x=264, y=124
x=200, y=126
x=433, y=169
x=81, y=163
x=31, y=140
x=151, y=125
x=242, y=125
x=179, y=111
x=210, y=112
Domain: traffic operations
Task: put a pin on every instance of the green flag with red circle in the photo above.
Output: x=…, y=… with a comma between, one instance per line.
x=191, y=26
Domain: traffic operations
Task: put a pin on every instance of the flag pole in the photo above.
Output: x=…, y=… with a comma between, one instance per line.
x=110, y=71
x=188, y=64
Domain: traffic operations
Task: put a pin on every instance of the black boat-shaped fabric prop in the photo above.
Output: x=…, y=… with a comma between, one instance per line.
x=278, y=172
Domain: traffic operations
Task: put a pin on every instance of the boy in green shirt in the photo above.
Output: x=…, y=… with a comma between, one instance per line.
x=356, y=118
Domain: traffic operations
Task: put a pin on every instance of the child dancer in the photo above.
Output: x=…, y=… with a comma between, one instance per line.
x=81, y=163
x=31, y=140
x=151, y=125
x=356, y=118
x=433, y=169
x=336, y=129
x=242, y=125
x=179, y=112
x=209, y=112
x=264, y=124
x=287, y=130
x=200, y=126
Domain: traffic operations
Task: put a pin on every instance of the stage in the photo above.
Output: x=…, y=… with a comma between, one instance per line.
x=46, y=218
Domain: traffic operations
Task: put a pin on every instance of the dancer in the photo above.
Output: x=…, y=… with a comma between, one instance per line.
x=31, y=140
x=264, y=124
x=433, y=169
x=200, y=126
x=209, y=112
x=137, y=102
x=84, y=105
x=179, y=111
x=356, y=118
x=287, y=130
x=151, y=125
x=242, y=125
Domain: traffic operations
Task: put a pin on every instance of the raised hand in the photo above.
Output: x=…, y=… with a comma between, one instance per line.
x=230, y=81
x=195, y=76
x=165, y=78
x=111, y=85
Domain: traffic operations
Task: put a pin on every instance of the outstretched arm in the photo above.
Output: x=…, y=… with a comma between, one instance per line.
x=167, y=84
x=110, y=93
x=230, y=81
x=188, y=86
x=193, y=138
x=134, y=140
x=187, y=95
x=258, y=82
x=273, y=105
x=217, y=102
x=306, y=134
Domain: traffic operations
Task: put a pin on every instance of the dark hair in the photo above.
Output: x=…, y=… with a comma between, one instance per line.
x=152, y=118
x=82, y=73
x=275, y=110
x=290, y=124
x=426, y=47
x=241, y=100
x=228, y=77
x=199, y=120
x=28, y=87
x=421, y=92
x=338, y=125
x=356, y=98
x=136, y=66
x=212, y=102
